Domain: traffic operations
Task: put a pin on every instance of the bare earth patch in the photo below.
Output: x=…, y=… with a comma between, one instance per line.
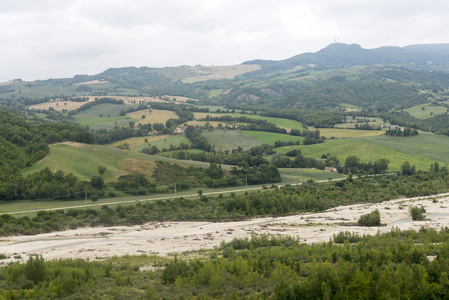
x=165, y=238
x=134, y=166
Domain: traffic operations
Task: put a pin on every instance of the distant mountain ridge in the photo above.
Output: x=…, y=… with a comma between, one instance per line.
x=336, y=76
x=423, y=57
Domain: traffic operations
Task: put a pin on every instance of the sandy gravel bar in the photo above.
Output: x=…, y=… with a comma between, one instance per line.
x=176, y=237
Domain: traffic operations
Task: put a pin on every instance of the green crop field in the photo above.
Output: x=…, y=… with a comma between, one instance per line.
x=91, y=117
x=420, y=151
x=271, y=137
x=429, y=110
x=425, y=145
x=283, y=123
x=230, y=139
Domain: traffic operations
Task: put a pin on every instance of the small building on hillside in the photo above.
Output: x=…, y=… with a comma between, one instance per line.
x=178, y=130
x=330, y=169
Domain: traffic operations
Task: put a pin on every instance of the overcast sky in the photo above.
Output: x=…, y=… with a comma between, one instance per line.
x=41, y=39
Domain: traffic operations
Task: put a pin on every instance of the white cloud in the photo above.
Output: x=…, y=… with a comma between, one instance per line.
x=52, y=38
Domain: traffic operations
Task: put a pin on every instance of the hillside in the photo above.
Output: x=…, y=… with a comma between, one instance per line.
x=382, y=78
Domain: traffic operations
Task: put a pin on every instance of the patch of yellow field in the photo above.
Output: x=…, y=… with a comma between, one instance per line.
x=204, y=115
x=144, y=100
x=201, y=123
x=221, y=72
x=91, y=82
x=347, y=133
x=59, y=106
x=134, y=166
x=178, y=98
x=156, y=116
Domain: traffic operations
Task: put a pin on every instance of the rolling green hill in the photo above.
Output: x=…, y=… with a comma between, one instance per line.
x=336, y=76
x=230, y=139
x=421, y=150
x=82, y=160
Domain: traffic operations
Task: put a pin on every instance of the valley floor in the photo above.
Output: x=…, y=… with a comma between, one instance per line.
x=177, y=237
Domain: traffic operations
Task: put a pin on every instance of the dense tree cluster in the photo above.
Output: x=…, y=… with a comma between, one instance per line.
x=198, y=141
x=307, y=197
x=401, y=132
x=237, y=157
x=43, y=184
x=393, y=265
x=315, y=118
x=104, y=136
x=250, y=123
x=355, y=166
x=23, y=143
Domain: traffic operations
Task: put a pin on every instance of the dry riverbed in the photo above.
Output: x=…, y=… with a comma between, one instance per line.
x=177, y=237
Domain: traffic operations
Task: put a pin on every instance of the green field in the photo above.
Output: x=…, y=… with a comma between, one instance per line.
x=283, y=123
x=165, y=142
x=421, y=150
x=272, y=137
x=292, y=176
x=230, y=139
x=91, y=117
x=429, y=110
x=425, y=145
x=82, y=160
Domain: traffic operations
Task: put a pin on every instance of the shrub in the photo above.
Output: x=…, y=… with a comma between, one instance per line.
x=416, y=214
x=371, y=219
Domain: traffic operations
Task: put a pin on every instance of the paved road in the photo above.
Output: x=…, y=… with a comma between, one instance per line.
x=153, y=198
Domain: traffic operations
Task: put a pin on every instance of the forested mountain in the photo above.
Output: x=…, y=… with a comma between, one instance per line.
x=374, y=79
x=425, y=57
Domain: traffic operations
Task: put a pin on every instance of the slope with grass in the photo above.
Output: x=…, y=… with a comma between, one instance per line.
x=103, y=116
x=293, y=176
x=230, y=139
x=425, y=145
x=424, y=111
x=155, y=116
x=82, y=160
x=340, y=133
x=272, y=137
x=280, y=122
x=373, y=149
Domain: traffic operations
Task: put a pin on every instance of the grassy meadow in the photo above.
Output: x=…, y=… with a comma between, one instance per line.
x=218, y=72
x=156, y=116
x=283, y=123
x=424, y=111
x=82, y=160
x=230, y=139
x=292, y=176
x=110, y=115
x=421, y=150
x=272, y=137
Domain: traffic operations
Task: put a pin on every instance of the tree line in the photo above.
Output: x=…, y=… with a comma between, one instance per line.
x=392, y=265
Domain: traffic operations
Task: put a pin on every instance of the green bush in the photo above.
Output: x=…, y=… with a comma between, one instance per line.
x=416, y=213
x=371, y=219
